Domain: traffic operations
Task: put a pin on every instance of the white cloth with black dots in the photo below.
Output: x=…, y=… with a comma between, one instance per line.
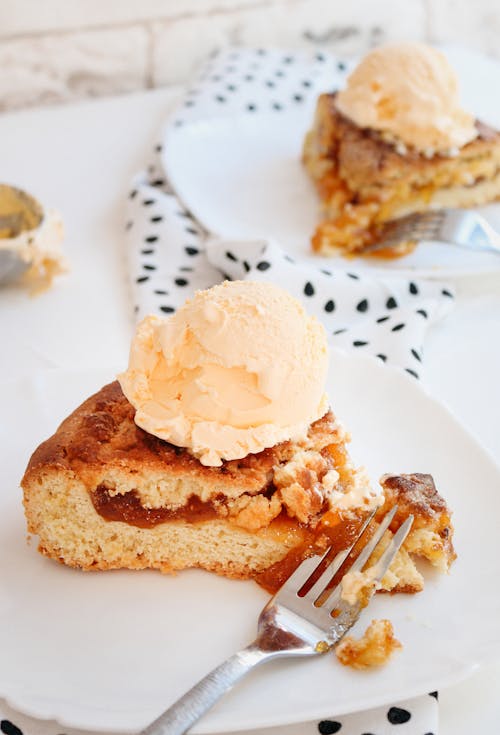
x=171, y=255
x=418, y=716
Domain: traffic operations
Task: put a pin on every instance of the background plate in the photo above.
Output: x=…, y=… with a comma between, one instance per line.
x=109, y=651
x=242, y=177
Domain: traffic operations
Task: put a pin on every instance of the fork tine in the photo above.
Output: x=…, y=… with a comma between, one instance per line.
x=361, y=559
x=385, y=560
x=373, y=542
x=332, y=569
x=418, y=226
x=298, y=579
x=334, y=599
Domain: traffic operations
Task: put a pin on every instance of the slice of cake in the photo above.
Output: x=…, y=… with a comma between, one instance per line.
x=103, y=493
x=216, y=449
x=395, y=142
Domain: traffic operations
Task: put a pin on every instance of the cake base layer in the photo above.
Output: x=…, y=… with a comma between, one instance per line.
x=61, y=513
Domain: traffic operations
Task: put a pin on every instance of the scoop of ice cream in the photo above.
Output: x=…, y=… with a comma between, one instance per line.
x=410, y=92
x=238, y=368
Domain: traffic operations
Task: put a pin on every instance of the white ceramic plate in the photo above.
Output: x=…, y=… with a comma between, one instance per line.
x=241, y=176
x=109, y=651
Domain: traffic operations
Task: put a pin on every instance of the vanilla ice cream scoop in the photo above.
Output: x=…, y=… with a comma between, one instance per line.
x=410, y=92
x=238, y=368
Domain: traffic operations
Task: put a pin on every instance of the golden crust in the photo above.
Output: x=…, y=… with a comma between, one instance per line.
x=364, y=180
x=431, y=535
x=101, y=433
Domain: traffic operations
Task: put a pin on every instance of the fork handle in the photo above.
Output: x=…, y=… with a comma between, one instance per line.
x=178, y=718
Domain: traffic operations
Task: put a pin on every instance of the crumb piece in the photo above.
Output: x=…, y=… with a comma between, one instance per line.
x=402, y=575
x=428, y=544
x=322, y=647
x=374, y=648
x=254, y=513
x=358, y=587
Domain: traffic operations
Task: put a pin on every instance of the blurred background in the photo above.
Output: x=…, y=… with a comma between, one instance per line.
x=56, y=51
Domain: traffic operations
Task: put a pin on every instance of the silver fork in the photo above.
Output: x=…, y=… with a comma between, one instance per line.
x=291, y=624
x=461, y=227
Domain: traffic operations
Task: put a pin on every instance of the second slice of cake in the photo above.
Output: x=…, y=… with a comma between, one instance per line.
x=395, y=142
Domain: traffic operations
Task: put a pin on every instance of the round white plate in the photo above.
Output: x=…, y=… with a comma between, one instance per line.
x=241, y=176
x=110, y=650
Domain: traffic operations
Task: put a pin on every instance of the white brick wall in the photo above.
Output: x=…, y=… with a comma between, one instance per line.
x=56, y=68
x=179, y=45
x=475, y=22
x=61, y=50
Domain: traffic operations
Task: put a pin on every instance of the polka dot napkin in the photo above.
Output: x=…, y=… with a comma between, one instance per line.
x=419, y=715
x=171, y=255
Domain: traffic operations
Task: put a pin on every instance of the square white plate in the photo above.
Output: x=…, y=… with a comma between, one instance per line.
x=110, y=650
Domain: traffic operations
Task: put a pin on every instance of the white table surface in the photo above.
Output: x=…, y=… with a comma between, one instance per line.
x=79, y=159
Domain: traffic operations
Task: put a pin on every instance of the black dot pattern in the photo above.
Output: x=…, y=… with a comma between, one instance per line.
x=8, y=727
x=329, y=727
x=252, y=82
x=263, y=265
x=398, y=716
